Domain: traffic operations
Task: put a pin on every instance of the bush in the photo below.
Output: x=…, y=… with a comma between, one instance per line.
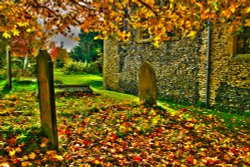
x=3, y=74
x=80, y=67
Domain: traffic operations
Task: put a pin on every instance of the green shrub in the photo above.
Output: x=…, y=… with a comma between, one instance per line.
x=80, y=67
x=3, y=75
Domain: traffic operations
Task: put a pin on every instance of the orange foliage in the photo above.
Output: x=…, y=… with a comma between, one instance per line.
x=112, y=17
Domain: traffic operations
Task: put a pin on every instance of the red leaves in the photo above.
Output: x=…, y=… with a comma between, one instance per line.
x=234, y=151
x=190, y=159
x=113, y=137
x=85, y=142
x=12, y=141
x=127, y=124
x=54, y=52
x=159, y=130
x=211, y=161
x=245, y=148
x=183, y=139
x=67, y=132
x=184, y=110
x=137, y=158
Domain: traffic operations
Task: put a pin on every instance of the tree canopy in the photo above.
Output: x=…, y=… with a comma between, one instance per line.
x=87, y=48
x=116, y=17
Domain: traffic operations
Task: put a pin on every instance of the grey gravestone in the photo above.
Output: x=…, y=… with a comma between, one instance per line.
x=46, y=96
x=75, y=88
x=147, y=84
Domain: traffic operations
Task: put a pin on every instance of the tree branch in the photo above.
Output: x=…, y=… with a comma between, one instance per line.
x=47, y=8
x=149, y=7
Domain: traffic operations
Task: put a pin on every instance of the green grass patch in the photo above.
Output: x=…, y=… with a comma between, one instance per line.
x=233, y=121
x=94, y=80
x=19, y=85
x=116, y=95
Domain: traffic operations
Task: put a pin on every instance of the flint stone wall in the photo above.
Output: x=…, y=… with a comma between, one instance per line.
x=176, y=65
x=230, y=76
x=180, y=69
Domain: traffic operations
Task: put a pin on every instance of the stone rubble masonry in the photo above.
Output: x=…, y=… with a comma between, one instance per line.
x=180, y=69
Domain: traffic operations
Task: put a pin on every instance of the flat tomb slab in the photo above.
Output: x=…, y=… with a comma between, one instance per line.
x=74, y=88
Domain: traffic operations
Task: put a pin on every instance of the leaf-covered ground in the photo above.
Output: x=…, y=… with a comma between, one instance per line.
x=98, y=131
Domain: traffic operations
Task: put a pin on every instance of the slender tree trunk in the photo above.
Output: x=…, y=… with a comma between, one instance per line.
x=9, y=75
x=25, y=62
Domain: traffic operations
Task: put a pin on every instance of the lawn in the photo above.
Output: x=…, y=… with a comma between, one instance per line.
x=111, y=129
x=95, y=80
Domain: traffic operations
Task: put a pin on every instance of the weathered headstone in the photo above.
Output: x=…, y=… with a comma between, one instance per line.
x=147, y=84
x=46, y=96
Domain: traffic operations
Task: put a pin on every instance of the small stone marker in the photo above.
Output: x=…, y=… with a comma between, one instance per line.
x=147, y=84
x=46, y=96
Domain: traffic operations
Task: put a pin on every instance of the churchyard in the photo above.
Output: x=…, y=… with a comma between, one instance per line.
x=105, y=128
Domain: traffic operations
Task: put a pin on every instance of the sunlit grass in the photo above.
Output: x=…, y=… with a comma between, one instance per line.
x=94, y=80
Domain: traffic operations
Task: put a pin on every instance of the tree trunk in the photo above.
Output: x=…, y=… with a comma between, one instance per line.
x=9, y=75
x=25, y=62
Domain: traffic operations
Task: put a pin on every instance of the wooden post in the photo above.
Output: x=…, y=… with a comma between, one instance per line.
x=46, y=96
x=9, y=75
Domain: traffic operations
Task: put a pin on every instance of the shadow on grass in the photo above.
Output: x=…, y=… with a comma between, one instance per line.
x=17, y=85
x=95, y=84
x=6, y=89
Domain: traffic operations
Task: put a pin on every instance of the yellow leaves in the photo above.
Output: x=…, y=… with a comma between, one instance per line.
x=29, y=30
x=5, y=164
x=188, y=24
x=232, y=8
x=200, y=6
x=54, y=156
x=15, y=32
x=171, y=5
x=247, y=23
x=35, y=51
x=18, y=150
x=124, y=36
x=152, y=112
x=122, y=128
x=45, y=141
x=226, y=13
x=22, y=24
x=76, y=39
x=247, y=9
x=6, y=35
x=156, y=119
x=12, y=153
x=32, y=155
x=192, y=34
x=25, y=158
x=96, y=37
x=58, y=157
x=150, y=2
x=26, y=163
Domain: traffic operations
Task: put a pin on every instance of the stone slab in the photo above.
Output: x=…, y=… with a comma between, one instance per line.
x=73, y=88
x=147, y=84
x=46, y=96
